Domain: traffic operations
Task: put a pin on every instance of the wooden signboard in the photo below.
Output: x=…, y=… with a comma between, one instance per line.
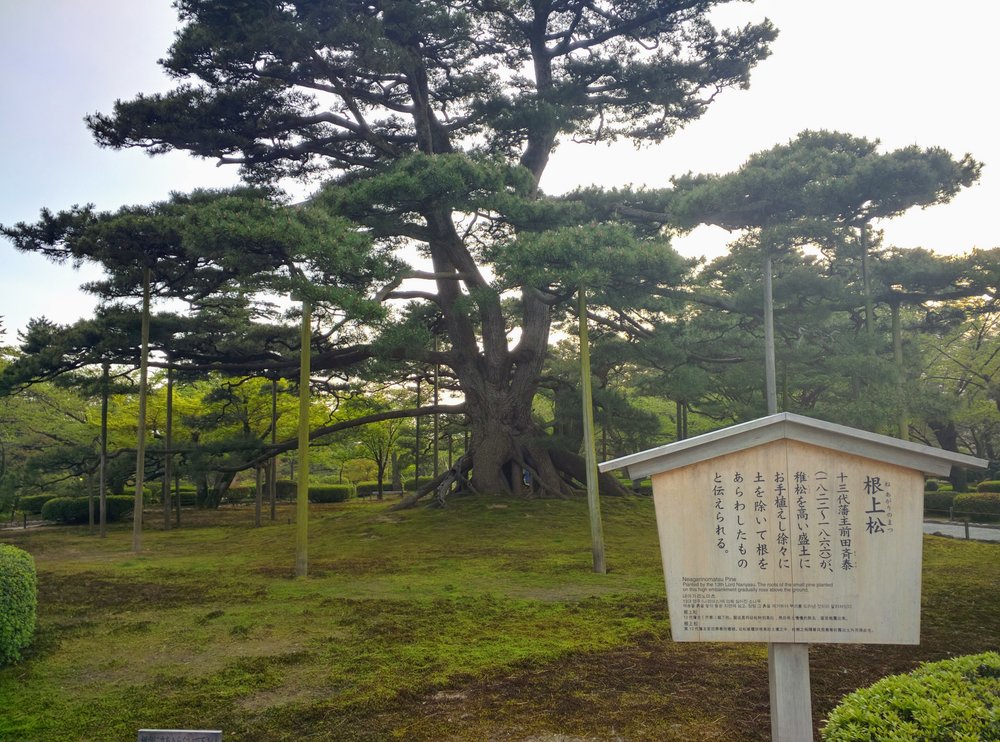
x=791, y=531
x=789, y=542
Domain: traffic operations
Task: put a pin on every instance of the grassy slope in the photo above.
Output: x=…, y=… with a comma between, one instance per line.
x=481, y=621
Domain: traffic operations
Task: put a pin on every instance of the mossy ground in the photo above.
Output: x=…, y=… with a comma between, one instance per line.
x=482, y=621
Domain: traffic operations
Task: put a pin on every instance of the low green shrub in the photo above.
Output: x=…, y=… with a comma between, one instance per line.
x=187, y=495
x=410, y=485
x=18, y=601
x=286, y=489
x=988, y=485
x=330, y=492
x=242, y=493
x=366, y=489
x=32, y=504
x=978, y=506
x=72, y=510
x=645, y=487
x=956, y=699
x=931, y=485
x=938, y=503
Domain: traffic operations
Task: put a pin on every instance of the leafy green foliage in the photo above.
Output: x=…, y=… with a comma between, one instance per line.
x=983, y=506
x=938, y=502
x=18, y=598
x=956, y=699
x=72, y=510
x=988, y=485
x=367, y=489
x=32, y=504
x=411, y=485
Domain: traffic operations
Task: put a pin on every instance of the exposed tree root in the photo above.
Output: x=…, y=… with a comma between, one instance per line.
x=532, y=470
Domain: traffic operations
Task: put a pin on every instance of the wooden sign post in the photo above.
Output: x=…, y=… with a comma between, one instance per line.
x=791, y=531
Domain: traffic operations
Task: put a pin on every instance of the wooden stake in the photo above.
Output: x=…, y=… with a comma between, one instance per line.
x=791, y=698
x=302, y=495
x=140, y=454
x=593, y=500
x=787, y=664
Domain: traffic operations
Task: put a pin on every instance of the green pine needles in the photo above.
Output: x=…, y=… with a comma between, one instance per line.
x=18, y=602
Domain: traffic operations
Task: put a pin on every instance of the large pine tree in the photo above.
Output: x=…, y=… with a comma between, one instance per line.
x=437, y=120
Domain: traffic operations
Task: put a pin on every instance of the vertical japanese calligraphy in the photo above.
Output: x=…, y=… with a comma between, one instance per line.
x=791, y=542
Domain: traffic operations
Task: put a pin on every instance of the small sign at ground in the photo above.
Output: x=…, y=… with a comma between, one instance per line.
x=179, y=735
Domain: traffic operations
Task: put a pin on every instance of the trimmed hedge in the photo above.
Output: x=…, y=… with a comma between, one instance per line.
x=243, y=493
x=72, y=510
x=188, y=496
x=366, y=489
x=957, y=699
x=32, y=504
x=286, y=489
x=410, y=485
x=19, y=602
x=988, y=485
x=938, y=502
x=645, y=487
x=330, y=492
x=981, y=506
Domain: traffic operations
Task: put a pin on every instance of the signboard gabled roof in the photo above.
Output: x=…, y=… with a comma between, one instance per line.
x=927, y=459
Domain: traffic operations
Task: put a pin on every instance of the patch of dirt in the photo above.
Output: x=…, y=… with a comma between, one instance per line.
x=61, y=593
x=655, y=690
x=360, y=567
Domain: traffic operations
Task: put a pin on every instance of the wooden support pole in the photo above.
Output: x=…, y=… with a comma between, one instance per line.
x=272, y=470
x=302, y=495
x=168, y=444
x=787, y=664
x=791, y=698
x=140, y=454
x=902, y=425
x=590, y=452
x=103, y=480
x=770, y=371
x=866, y=282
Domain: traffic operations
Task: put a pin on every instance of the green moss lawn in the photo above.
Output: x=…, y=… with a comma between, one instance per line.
x=481, y=621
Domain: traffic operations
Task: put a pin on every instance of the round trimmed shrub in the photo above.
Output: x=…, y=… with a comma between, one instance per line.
x=75, y=510
x=330, y=492
x=955, y=699
x=243, y=493
x=978, y=506
x=988, y=485
x=32, y=504
x=19, y=602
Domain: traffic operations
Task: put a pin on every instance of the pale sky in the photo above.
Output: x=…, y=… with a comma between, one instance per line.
x=902, y=71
